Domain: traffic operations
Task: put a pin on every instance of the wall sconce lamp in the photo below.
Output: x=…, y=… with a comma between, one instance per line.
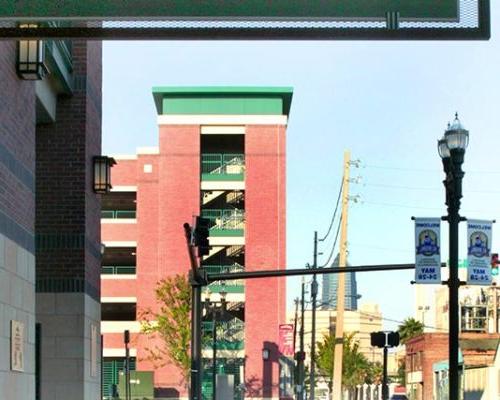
x=102, y=173
x=30, y=64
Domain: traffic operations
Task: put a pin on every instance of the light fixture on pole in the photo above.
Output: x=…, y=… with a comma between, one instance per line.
x=265, y=354
x=451, y=149
x=30, y=64
x=102, y=173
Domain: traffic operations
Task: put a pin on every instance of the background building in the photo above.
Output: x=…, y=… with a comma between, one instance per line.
x=50, y=130
x=427, y=355
x=221, y=155
x=329, y=290
x=361, y=322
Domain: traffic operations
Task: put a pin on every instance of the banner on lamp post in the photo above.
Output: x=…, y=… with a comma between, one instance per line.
x=285, y=344
x=427, y=250
x=479, y=252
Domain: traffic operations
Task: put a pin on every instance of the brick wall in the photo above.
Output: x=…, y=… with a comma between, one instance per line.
x=432, y=347
x=67, y=211
x=17, y=150
x=265, y=210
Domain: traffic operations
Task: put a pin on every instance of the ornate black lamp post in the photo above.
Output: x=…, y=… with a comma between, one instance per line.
x=452, y=150
x=215, y=308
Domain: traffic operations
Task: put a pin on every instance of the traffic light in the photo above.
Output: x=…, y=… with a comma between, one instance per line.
x=494, y=264
x=200, y=236
x=393, y=339
x=377, y=339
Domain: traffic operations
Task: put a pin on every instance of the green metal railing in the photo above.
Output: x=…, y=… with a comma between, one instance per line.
x=230, y=222
x=230, y=334
x=217, y=166
x=117, y=214
x=111, y=368
x=232, y=286
x=118, y=270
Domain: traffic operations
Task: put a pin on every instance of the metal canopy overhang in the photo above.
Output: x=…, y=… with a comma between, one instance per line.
x=482, y=33
x=429, y=22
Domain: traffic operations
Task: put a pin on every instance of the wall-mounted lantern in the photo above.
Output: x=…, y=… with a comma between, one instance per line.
x=102, y=173
x=30, y=64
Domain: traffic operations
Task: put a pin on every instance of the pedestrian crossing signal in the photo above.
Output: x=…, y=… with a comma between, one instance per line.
x=494, y=264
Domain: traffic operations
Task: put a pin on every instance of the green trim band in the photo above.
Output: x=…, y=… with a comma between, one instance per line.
x=223, y=177
x=223, y=100
x=226, y=232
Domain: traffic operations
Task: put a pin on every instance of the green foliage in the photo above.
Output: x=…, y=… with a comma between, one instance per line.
x=402, y=373
x=171, y=324
x=356, y=369
x=409, y=329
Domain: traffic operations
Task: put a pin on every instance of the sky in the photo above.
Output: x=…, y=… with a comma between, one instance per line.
x=387, y=102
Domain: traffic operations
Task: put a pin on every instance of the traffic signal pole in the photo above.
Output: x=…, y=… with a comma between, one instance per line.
x=197, y=281
x=384, y=340
x=385, y=387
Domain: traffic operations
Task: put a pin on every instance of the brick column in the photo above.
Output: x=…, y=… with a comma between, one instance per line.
x=265, y=210
x=68, y=236
x=177, y=200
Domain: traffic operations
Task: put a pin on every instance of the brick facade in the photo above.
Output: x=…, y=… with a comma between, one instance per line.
x=265, y=250
x=68, y=212
x=421, y=354
x=17, y=151
x=168, y=195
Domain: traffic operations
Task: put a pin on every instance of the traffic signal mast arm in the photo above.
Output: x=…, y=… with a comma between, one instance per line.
x=307, y=271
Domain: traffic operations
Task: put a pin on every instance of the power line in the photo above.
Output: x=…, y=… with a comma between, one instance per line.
x=381, y=248
x=424, y=170
x=335, y=212
x=402, y=206
x=412, y=207
x=388, y=320
x=385, y=186
x=333, y=246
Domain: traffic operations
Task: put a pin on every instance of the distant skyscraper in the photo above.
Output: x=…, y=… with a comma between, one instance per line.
x=329, y=290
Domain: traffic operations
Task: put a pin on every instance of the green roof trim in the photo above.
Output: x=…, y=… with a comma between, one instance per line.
x=236, y=100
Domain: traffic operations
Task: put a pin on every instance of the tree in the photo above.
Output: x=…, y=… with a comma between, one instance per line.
x=409, y=329
x=356, y=368
x=171, y=323
x=402, y=373
x=376, y=373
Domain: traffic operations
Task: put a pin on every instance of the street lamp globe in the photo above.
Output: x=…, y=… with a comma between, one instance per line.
x=457, y=137
x=444, y=151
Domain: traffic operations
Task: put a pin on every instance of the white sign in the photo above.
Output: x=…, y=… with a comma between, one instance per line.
x=16, y=346
x=427, y=250
x=479, y=252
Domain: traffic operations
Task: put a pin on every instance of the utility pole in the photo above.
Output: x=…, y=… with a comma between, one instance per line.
x=314, y=294
x=301, y=354
x=295, y=322
x=339, y=325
